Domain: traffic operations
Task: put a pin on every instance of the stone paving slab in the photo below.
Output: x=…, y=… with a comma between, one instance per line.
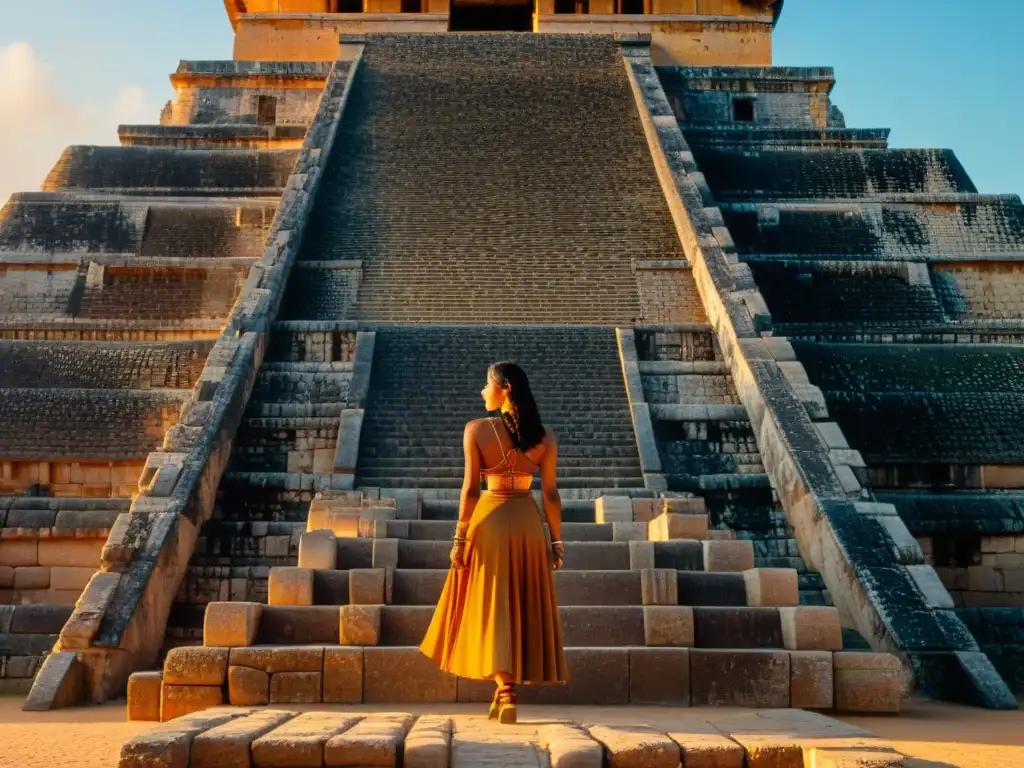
x=602, y=738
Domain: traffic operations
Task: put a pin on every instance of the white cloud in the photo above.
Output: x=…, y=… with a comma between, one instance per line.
x=37, y=123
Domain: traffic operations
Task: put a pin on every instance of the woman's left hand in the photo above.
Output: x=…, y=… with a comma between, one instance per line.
x=557, y=557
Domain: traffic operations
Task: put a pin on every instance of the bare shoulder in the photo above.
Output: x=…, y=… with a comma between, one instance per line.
x=473, y=426
x=550, y=441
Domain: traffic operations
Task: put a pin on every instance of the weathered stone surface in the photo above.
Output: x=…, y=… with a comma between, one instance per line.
x=90, y=609
x=60, y=683
x=671, y=525
x=658, y=586
x=736, y=627
x=659, y=676
x=39, y=619
x=385, y=552
x=169, y=744
x=728, y=556
x=343, y=676
x=318, y=550
x=144, y=696
x=811, y=680
x=360, y=625
x=811, y=628
x=596, y=677
x=375, y=741
x=257, y=657
x=231, y=625
x=428, y=743
x=297, y=658
x=248, y=687
x=290, y=586
x=745, y=678
x=179, y=700
x=704, y=746
x=228, y=745
x=867, y=682
x=772, y=587
x=395, y=675
x=296, y=687
x=298, y=625
x=668, y=625
x=191, y=665
x=629, y=531
x=613, y=509
x=641, y=555
x=643, y=510
x=636, y=747
x=299, y=743
x=366, y=586
x=570, y=746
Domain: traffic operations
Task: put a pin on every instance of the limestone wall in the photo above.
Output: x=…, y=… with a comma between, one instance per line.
x=779, y=97
x=981, y=291
x=118, y=625
x=39, y=291
x=127, y=292
x=73, y=227
x=242, y=106
x=153, y=170
x=873, y=568
x=980, y=227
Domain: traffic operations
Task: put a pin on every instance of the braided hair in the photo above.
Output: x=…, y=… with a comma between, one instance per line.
x=521, y=417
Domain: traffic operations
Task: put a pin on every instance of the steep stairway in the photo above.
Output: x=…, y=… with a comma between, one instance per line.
x=655, y=609
x=426, y=385
x=494, y=179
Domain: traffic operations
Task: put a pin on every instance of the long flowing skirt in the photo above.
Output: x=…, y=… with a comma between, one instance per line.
x=500, y=614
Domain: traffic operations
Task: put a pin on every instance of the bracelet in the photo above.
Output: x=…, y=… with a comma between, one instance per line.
x=557, y=545
x=458, y=540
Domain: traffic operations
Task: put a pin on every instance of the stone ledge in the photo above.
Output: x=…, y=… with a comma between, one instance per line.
x=124, y=629
x=856, y=557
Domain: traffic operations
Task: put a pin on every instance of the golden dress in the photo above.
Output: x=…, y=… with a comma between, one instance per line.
x=499, y=613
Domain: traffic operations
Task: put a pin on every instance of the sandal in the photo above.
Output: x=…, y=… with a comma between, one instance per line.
x=506, y=706
x=492, y=713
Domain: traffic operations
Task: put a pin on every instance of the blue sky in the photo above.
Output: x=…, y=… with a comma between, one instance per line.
x=936, y=72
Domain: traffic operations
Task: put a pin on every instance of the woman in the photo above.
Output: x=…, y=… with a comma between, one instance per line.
x=497, y=618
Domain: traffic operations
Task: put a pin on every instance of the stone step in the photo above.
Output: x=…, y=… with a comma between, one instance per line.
x=440, y=469
x=414, y=463
x=601, y=484
x=630, y=549
x=200, y=678
x=756, y=587
x=291, y=737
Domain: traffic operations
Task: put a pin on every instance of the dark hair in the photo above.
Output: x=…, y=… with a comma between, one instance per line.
x=522, y=418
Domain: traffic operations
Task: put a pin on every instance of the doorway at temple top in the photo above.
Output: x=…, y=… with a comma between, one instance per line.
x=493, y=16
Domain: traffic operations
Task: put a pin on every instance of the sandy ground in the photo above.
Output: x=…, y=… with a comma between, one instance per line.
x=945, y=734
x=939, y=735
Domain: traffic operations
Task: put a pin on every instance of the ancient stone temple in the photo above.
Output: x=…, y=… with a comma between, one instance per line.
x=237, y=353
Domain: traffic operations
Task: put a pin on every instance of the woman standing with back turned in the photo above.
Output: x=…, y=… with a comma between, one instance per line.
x=497, y=618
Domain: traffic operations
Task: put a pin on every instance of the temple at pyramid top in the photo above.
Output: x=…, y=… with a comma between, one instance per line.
x=683, y=32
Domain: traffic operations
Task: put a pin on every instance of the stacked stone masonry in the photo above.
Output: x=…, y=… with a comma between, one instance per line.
x=655, y=608
x=447, y=202
x=896, y=251
x=464, y=201
x=821, y=479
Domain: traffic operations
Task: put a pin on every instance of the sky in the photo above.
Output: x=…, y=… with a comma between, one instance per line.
x=939, y=73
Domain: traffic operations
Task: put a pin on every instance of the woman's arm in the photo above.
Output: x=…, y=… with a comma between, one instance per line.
x=549, y=487
x=471, y=478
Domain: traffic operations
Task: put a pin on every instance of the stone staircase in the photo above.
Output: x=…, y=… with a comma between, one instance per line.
x=426, y=384
x=493, y=179
x=655, y=609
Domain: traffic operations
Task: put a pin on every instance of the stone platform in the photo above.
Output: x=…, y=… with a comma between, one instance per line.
x=648, y=738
